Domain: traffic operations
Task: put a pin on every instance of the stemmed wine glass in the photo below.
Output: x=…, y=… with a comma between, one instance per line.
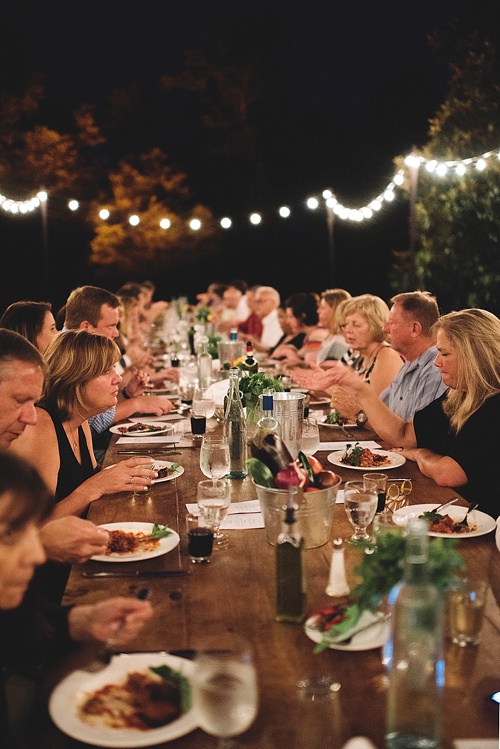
x=214, y=456
x=214, y=498
x=360, y=504
x=225, y=691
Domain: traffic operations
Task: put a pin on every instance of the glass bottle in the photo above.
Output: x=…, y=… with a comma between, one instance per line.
x=250, y=365
x=415, y=651
x=290, y=568
x=204, y=363
x=267, y=422
x=235, y=428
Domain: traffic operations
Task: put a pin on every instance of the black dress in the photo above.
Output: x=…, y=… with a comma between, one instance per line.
x=471, y=448
x=53, y=576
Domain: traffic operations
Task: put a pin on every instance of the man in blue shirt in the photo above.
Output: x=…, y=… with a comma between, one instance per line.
x=408, y=330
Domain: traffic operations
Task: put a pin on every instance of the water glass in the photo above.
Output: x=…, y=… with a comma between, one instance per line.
x=214, y=498
x=466, y=611
x=379, y=481
x=310, y=436
x=203, y=401
x=360, y=504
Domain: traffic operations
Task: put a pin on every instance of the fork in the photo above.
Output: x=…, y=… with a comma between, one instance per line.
x=463, y=523
x=104, y=659
x=380, y=620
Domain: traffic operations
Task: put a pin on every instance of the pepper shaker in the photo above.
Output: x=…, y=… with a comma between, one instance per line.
x=337, y=581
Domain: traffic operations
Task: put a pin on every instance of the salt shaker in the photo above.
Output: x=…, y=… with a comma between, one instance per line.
x=337, y=581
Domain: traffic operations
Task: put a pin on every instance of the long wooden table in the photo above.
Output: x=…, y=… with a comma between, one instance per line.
x=236, y=591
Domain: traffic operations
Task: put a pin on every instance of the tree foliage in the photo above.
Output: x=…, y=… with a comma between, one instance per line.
x=457, y=255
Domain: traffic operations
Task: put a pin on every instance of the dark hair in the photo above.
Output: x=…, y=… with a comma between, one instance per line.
x=85, y=303
x=15, y=347
x=30, y=499
x=26, y=317
x=238, y=283
x=304, y=306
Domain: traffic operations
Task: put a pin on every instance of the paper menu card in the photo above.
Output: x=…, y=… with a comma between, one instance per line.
x=239, y=516
x=337, y=446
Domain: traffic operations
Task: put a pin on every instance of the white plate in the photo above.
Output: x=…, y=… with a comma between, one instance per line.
x=484, y=523
x=395, y=460
x=165, y=464
x=336, y=426
x=166, y=544
x=162, y=428
x=372, y=638
x=497, y=535
x=70, y=691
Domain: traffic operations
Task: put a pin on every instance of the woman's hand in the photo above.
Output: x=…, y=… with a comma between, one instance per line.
x=134, y=473
x=103, y=620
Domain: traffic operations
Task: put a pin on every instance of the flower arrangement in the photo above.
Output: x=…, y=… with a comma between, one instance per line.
x=380, y=569
x=203, y=314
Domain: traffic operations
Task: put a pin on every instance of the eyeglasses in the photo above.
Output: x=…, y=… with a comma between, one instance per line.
x=397, y=493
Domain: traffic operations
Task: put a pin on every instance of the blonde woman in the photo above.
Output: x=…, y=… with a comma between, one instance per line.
x=447, y=439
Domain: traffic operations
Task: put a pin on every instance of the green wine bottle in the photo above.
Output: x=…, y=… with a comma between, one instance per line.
x=290, y=567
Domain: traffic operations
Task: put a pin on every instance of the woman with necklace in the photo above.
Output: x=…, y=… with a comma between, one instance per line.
x=374, y=360
x=80, y=382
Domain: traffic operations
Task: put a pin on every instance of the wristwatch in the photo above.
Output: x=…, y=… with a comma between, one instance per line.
x=361, y=418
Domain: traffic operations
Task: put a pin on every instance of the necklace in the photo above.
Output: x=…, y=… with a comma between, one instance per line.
x=73, y=440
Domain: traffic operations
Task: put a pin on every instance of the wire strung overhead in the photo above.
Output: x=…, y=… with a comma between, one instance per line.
x=459, y=167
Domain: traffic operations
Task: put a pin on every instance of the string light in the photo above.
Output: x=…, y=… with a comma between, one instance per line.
x=440, y=169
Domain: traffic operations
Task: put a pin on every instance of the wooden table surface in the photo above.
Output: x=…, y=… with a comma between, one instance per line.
x=236, y=591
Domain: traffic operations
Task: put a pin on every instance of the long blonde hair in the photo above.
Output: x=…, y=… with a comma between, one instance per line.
x=475, y=334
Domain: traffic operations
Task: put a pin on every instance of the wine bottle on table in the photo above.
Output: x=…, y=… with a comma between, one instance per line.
x=235, y=428
x=290, y=567
x=250, y=364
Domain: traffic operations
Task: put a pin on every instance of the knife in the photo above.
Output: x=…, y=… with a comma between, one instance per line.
x=137, y=573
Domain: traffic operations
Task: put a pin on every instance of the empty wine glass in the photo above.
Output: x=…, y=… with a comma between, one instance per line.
x=214, y=498
x=225, y=691
x=214, y=456
x=360, y=504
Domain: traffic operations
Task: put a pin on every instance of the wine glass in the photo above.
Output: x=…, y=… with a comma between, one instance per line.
x=214, y=498
x=225, y=691
x=310, y=436
x=360, y=504
x=214, y=456
x=203, y=400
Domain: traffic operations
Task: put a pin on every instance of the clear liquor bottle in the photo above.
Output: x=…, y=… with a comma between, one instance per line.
x=235, y=428
x=414, y=652
x=250, y=365
x=267, y=422
x=204, y=363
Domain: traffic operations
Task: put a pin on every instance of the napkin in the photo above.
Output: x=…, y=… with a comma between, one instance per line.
x=476, y=743
x=239, y=516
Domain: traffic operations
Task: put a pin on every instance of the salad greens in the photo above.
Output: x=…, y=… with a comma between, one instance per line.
x=381, y=568
x=160, y=531
x=178, y=681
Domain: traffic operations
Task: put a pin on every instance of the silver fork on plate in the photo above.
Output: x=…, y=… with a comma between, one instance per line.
x=104, y=659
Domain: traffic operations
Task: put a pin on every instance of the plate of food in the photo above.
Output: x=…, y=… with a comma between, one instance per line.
x=167, y=471
x=443, y=525
x=140, y=699
x=363, y=459
x=335, y=419
x=142, y=429
x=133, y=542
x=372, y=628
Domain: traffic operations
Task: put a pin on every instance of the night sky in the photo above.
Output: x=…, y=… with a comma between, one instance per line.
x=343, y=57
